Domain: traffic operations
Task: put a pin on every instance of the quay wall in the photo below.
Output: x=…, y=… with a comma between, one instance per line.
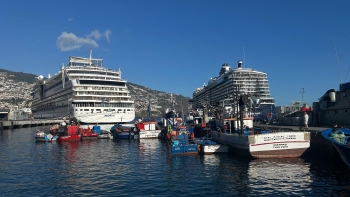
x=11, y=124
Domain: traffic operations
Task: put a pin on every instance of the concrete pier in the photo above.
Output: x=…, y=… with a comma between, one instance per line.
x=11, y=124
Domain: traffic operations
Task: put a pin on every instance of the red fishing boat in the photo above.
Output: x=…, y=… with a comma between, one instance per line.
x=71, y=134
x=87, y=133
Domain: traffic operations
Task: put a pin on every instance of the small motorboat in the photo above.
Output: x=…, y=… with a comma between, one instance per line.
x=208, y=146
x=87, y=133
x=41, y=136
x=104, y=134
x=122, y=132
x=147, y=129
x=339, y=137
x=69, y=134
x=181, y=142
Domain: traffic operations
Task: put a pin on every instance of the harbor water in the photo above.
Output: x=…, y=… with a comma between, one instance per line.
x=144, y=168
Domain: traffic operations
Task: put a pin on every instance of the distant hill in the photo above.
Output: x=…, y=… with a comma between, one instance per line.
x=20, y=76
x=159, y=100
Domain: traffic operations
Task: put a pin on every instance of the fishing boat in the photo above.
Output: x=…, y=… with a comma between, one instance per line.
x=41, y=136
x=104, y=134
x=233, y=126
x=54, y=129
x=181, y=142
x=87, y=133
x=340, y=139
x=147, y=129
x=69, y=134
x=123, y=131
x=259, y=143
x=209, y=146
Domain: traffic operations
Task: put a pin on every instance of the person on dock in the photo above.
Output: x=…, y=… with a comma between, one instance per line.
x=227, y=127
x=306, y=120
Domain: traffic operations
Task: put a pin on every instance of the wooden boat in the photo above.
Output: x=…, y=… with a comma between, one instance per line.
x=123, y=131
x=182, y=143
x=41, y=136
x=104, y=134
x=259, y=143
x=87, y=133
x=68, y=134
x=209, y=146
x=340, y=139
x=54, y=129
x=147, y=129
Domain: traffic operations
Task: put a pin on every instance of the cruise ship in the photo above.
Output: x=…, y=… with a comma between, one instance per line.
x=221, y=89
x=83, y=91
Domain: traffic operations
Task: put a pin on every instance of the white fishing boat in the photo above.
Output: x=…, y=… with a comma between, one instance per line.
x=208, y=146
x=85, y=91
x=147, y=129
x=259, y=143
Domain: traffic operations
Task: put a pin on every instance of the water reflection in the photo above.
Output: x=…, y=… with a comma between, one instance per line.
x=279, y=176
x=143, y=168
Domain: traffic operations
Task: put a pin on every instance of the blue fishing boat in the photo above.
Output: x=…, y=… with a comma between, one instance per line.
x=182, y=143
x=339, y=137
x=123, y=131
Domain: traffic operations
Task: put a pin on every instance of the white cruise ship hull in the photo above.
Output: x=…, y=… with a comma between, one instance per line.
x=85, y=91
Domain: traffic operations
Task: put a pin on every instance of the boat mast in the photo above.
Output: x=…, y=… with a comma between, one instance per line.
x=336, y=54
x=90, y=57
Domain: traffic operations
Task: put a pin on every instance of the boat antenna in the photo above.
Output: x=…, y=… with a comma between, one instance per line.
x=302, y=95
x=243, y=58
x=336, y=54
x=90, y=57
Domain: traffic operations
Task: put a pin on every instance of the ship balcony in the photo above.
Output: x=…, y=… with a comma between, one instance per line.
x=101, y=88
x=104, y=94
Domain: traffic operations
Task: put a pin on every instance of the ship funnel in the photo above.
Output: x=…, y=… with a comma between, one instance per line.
x=239, y=64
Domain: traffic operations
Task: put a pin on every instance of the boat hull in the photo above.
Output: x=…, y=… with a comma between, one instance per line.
x=268, y=145
x=69, y=138
x=187, y=149
x=343, y=149
x=149, y=134
x=210, y=149
x=123, y=135
x=45, y=137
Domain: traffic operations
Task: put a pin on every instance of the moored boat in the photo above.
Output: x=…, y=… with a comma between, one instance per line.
x=108, y=100
x=258, y=143
x=41, y=136
x=123, y=131
x=87, y=133
x=68, y=134
x=181, y=143
x=208, y=146
x=104, y=134
x=340, y=140
x=147, y=129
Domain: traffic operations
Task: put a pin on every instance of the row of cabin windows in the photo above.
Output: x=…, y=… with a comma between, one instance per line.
x=105, y=110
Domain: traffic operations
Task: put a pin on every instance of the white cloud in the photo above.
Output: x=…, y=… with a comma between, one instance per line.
x=94, y=34
x=69, y=41
x=70, y=19
x=107, y=33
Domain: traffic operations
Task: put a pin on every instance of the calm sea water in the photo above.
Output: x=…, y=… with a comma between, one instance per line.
x=144, y=168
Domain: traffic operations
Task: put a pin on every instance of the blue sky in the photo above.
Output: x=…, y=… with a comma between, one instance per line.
x=176, y=46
